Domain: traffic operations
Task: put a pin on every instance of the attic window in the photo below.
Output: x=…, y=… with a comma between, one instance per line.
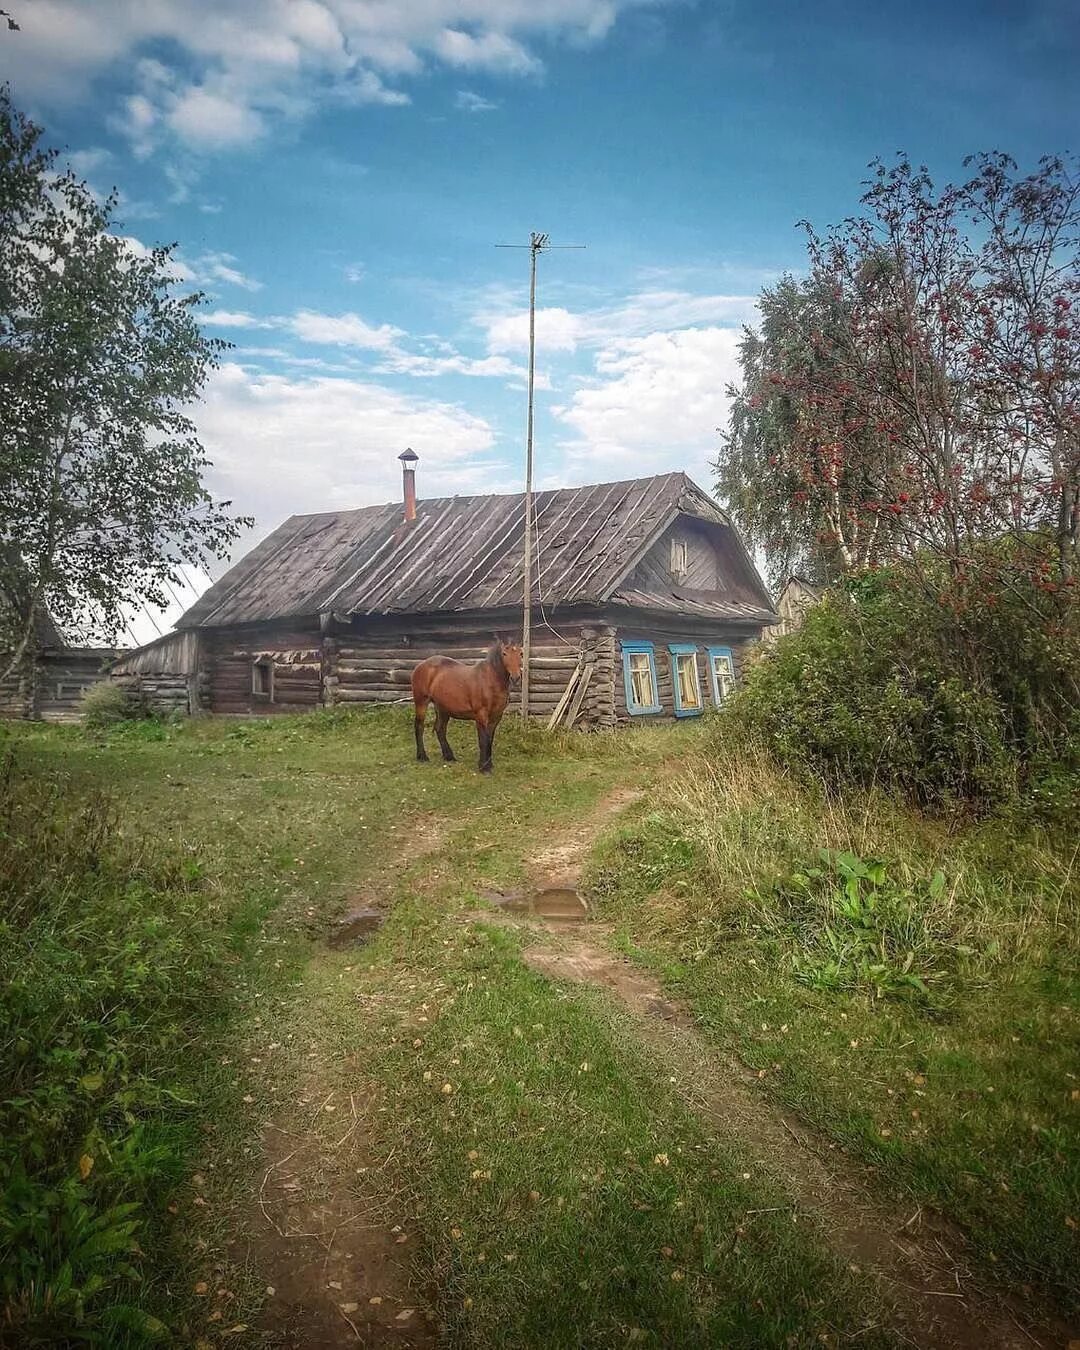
x=262, y=679
x=679, y=562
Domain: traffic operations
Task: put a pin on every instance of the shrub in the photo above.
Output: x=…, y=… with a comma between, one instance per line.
x=944, y=688
x=112, y=958
x=105, y=704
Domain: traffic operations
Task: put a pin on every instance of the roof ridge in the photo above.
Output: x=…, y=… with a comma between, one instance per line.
x=500, y=496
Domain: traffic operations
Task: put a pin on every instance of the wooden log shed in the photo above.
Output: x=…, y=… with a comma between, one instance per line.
x=644, y=582
x=52, y=680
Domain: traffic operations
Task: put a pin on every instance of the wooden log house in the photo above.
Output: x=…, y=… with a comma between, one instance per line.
x=644, y=602
x=797, y=597
x=52, y=680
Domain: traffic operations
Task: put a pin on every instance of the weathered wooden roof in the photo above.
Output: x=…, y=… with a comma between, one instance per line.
x=461, y=553
x=170, y=654
x=696, y=604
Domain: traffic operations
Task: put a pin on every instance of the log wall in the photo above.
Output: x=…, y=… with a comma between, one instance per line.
x=375, y=665
x=373, y=661
x=223, y=682
x=162, y=694
x=52, y=691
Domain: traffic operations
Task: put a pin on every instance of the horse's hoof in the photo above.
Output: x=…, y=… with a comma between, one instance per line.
x=421, y=759
x=449, y=759
x=485, y=768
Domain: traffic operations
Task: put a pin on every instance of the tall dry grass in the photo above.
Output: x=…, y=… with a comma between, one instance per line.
x=730, y=837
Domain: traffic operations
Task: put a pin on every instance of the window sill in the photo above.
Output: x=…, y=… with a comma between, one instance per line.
x=645, y=712
x=689, y=712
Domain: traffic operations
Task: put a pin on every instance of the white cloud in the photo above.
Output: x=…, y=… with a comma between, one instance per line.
x=384, y=341
x=367, y=87
x=241, y=64
x=401, y=362
x=465, y=100
x=353, y=272
x=232, y=318
x=85, y=163
x=215, y=268
x=282, y=444
x=490, y=51
x=655, y=401
x=213, y=121
x=557, y=330
x=343, y=330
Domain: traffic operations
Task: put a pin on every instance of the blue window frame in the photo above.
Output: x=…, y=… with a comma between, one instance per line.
x=639, y=678
x=721, y=672
x=686, y=680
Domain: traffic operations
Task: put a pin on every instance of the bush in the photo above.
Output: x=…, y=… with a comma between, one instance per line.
x=942, y=688
x=112, y=958
x=105, y=704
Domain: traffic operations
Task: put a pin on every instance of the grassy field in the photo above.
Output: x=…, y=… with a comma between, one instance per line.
x=168, y=992
x=909, y=987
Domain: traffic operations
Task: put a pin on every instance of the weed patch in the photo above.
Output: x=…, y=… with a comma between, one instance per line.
x=112, y=959
x=908, y=986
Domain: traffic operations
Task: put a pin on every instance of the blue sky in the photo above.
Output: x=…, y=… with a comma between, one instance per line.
x=337, y=173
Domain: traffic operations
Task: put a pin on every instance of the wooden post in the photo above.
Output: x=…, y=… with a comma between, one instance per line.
x=604, y=678
x=330, y=677
x=526, y=617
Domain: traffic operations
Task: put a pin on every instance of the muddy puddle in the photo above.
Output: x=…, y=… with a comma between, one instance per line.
x=553, y=904
x=356, y=927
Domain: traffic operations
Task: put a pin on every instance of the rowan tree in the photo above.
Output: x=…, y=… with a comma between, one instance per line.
x=919, y=391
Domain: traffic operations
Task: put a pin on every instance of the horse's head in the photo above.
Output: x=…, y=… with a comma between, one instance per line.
x=510, y=655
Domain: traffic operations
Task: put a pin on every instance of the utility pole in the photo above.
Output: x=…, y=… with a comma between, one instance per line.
x=538, y=243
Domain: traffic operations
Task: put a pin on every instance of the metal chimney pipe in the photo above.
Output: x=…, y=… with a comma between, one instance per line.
x=408, y=482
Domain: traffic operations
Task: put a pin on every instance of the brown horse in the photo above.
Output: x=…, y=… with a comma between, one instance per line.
x=475, y=693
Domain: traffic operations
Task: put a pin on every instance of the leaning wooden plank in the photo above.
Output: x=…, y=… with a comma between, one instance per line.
x=567, y=694
x=579, y=697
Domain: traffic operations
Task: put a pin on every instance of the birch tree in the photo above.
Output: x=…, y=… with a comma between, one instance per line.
x=102, y=498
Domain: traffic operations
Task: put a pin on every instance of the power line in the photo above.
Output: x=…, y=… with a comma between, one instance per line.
x=538, y=243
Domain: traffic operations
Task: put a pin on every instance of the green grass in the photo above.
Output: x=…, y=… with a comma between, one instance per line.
x=172, y=887
x=565, y=1195
x=926, y=1013
x=161, y=888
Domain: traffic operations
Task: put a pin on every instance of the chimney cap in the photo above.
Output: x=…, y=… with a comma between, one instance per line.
x=408, y=455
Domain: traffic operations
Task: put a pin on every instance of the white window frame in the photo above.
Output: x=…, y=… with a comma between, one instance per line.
x=725, y=654
x=680, y=651
x=634, y=708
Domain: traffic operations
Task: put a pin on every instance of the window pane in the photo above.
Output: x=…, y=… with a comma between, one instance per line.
x=686, y=666
x=725, y=675
x=640, y=680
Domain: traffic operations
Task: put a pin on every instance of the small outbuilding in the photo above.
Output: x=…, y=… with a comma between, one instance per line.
x=50, y=683
x=644, y=602
x=797, y=596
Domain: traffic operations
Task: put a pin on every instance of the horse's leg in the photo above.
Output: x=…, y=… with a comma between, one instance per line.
x=421, y=712
x=483, y=735
x=493, y=726
x=441, y=719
